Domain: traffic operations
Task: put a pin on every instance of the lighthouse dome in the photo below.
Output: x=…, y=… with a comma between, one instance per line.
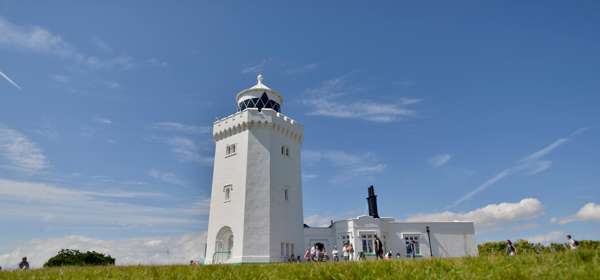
x=259, y=96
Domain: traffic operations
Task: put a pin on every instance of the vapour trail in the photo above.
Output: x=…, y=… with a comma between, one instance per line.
x=10, y=80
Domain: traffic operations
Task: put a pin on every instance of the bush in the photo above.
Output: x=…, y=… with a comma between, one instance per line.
x=76, y=258
x=525, y=247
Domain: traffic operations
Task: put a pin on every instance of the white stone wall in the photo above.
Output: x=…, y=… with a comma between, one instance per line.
x=259, y=216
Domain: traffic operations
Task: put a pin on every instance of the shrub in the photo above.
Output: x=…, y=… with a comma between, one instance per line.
x=76, y=258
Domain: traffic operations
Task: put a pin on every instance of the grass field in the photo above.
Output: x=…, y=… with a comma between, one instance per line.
x=583, y=264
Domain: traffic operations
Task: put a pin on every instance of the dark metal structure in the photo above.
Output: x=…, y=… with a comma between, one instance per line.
x=372, y=200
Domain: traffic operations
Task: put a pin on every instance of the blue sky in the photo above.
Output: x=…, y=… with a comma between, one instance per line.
x=463, y=110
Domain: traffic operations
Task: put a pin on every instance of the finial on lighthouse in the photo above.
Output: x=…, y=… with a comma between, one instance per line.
x=259, y=78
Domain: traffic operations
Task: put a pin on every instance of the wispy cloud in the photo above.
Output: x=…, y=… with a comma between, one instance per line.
x=348, y=165
x=257, y=68
x=531, y=164
x=182, y=128
x=39, y=40
x=187, y=150
x=156, y=62
x=46, y=203
x=490, y=215
x=333, y=98
x=440, y=160
x=589, y=212
x=102, y=120
x=61, y=78
x=112, y=84
x=21, y=152
x=8, y=79
x=131, y=251
x=324, y=219
x=167, y=177
x=303, y=69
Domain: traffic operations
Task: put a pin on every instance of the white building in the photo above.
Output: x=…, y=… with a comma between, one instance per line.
x=256, y=201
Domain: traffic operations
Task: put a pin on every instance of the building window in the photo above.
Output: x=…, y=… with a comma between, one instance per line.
x=227, y=191
x=283, y=150
x=285, y=194
x=411, y=242
x=230, y=150
x=368, y=242
x=282, y=248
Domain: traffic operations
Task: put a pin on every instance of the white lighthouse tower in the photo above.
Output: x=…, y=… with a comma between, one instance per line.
x=256, y=199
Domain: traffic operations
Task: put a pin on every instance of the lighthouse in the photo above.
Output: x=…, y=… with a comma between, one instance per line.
x=256, y=200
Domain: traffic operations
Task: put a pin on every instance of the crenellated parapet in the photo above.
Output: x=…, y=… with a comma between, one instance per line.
x=252, y=117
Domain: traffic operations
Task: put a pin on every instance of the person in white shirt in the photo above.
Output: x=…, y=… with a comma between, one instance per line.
x=345, y=252
x=334, y=254
x=571, y=242
x=313, y=252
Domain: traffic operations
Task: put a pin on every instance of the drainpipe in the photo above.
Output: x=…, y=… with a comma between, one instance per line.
x=429, y=238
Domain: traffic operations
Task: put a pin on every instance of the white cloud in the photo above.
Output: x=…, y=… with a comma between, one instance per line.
x=39, y=40
x=21, y=153
x=158, y=250
x=348, y=165
x=61, y=78
x=589, y=212
x=187, y=150
x=103, y=121
x=182, y=128
x=440, y=160
x=303, y=69
x=257, y=68
x=112, y=84
x=532, y=164
x=101, y=45
x=167, y=177
x=24, y=201
x=546, y=238
x=490, y=215
x=324, y=220
x=317, y=220
x=9, y=80
x=156, y=62
x=331, y=99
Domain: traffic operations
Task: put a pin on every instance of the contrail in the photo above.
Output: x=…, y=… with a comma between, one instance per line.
x=9, y=80
x=532, y=162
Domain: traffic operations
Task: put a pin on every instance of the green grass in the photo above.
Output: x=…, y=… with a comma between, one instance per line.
x=583, y=264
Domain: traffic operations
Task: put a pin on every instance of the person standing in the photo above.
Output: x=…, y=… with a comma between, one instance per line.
x=345, y=252
x=334, y=254
x=572, y=243
x=510, y=249
x=378, y=248
x=24, y=264
x=413, y=248
x=313, y=252
x=350, y=251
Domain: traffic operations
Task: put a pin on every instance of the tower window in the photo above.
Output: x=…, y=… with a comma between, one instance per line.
x=230, y=150
x=227, y=191
x=285, y=151
x=285, y=194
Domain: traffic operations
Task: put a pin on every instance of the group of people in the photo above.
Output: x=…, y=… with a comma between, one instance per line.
x=317, y=253
x=512, y=251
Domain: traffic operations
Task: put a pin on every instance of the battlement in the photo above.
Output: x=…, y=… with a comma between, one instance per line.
x=251, y=117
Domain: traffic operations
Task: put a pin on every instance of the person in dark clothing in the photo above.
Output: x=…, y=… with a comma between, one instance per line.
x=378, y=248
x=24, y=264
x=510, y=249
